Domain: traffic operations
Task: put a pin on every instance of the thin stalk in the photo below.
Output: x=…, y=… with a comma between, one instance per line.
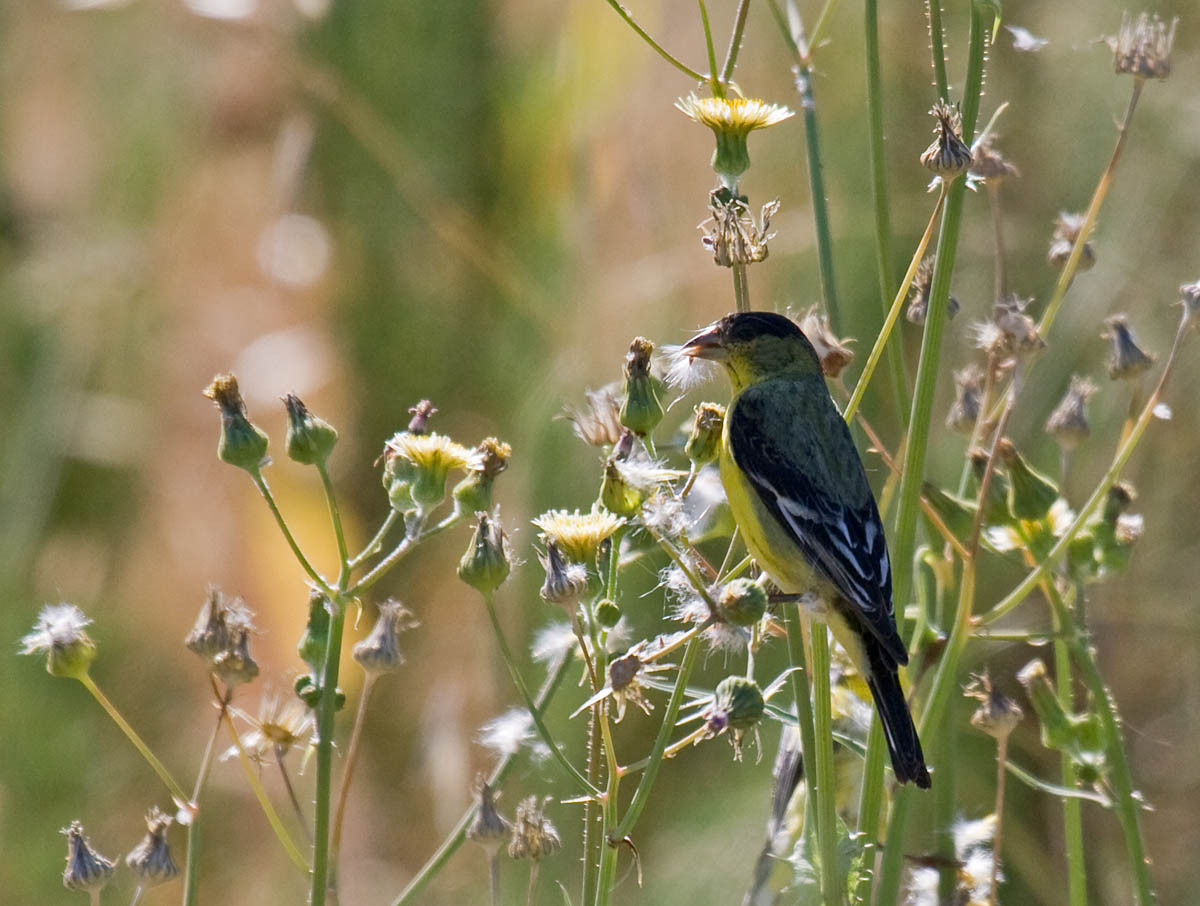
x=997, y=840
x=1089, y=220
x=459, y=833
x=825, y=789
x=335, y=516
x=531, y=893
x=893, y=314
x=650, y=773
x=494, y=877
x=735, y=41
x=191, y=877
x=879, y=192
x=714, y=83
x=291, y=792
x=608, y=846
x=326, y=706
x=523, y=690
x=264, y=800
x=377, y=542
x=260, y=482
x=176, y=790
x=1072, y=808
x=741, y=288
x=335, y=845
x=655, y=46
x=802, y=696
x=415, y=536
x=945, y=807
x=870, y=805
x=1001, y=281
x=937, y=47
x=823, y=19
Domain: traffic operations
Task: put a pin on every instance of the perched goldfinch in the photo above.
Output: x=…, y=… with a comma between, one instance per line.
x=801, y=500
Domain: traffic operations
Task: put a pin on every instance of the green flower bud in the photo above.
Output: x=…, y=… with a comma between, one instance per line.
x=310, y=439
x=616, y=494
x=59, y=631
x=486, y=563
x=151, y=859
x=1032, y=494
x=315, y=640
x=242, y=444
x=309, y=692
x=641, y=411
x=704, y=443
x=608, y=614
x=737, y=705
x=742, y=602
x=86, y=869
x=474, y=493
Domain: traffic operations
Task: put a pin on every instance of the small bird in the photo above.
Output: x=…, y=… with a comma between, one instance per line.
x=800, y=496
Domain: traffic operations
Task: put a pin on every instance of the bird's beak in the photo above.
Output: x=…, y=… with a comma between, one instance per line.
x=706, y=345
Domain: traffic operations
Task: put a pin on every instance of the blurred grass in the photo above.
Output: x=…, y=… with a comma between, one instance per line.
x=142, y=160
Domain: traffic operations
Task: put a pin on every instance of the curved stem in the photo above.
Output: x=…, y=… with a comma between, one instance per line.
x=191, y=876
x=291, y=791
x=335, y=516
x=735, y=41
x=416, y=536
x=714, y=83
x=375, y=543
x=260, y=482
x=339, y=818
x=657, y=48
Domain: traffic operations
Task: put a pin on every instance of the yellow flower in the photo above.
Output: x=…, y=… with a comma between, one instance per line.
x=431, y=456
x=731, y=120
x=578, y=535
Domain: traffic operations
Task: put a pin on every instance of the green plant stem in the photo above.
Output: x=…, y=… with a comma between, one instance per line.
x=735, y=40
x=870, y=804
x=938, y=50
x=1089, y=220
x=335, y=516
x=264, y=800
x=1072, y=808
x=879, y=194
x=191, y=876
x=547, y=737
x=138, y=743
x=741, y=288
x=998, y=839
x=799, y=676
x=291, y=792
x=459, y=833
x=608, y=847
x=650, y=773
x=377, y=542
x=335, y=845
x=260, y=482
x=825, y=787
x=893, y=315
x=714, y=83
x=945, y=805
x=655, y=46
x=326, y=710
x=414, y=537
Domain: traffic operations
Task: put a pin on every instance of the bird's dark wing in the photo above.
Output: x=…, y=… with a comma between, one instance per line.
x=793, y=446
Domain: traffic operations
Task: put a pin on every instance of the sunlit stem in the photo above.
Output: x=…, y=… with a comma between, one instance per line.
x=335, y=844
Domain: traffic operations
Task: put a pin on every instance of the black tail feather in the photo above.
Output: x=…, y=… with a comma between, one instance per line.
x=904, y=746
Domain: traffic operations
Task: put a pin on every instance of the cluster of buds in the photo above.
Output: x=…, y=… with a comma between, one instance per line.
x=221, y=636
x=151, y=861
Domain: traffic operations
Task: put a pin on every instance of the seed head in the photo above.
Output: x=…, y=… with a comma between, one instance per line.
x=488, y=560
x=731, y=232
x=565, y=582
x=151, y=859
x=242, y=444
x=310, y=439
x=533, y=835
x=918, y=300
x=997, y=714
x=1142, y=47
x=1067, y=228
x=833, y=353
x=379, y=652
x=948, y=156
x=1127, y=359
x=235, y=664
x=988, y=163
x=578, y=535
x=968, y=399
x=60, y=632
x=732, y=120
x=474, y=493
x=489, y=829
x=599, y=422
x=86, y=869
x=1068, y=423
x=1012, y=331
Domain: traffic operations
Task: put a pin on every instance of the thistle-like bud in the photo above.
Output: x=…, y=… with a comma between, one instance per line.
x=918, y=300
x=489, y=829
x=948, y=156
x=641, y=411
x=1067, y=228
x=731, y=120
x=151, y=859
x=997, y=714
x=60, y=632
x=731, y=232
x=474, y=493
x=833, y=353
x=704, y=441
x=221, y=635
x=1068, y=423
x=421, y=413
x=616, y=493
x=1142, y=48
x=1032, y=493
x=235, y=664
x=737, y=706
x=242, y=444
x=487, y=562
x=1128, y=360
x=565, y=582
x=533, y=834
x=379, y=652
x=968, y=399
x=988, y=163
x=742, y=602
x=86, y=869
x=310, y=439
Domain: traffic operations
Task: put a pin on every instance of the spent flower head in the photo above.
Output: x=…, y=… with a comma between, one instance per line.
x=578, y=535
x=988, y=163
x=151, y=859
x=60, y=631
x=948, y=156
x=918, y=300
x=533, y=834
x=833, y=353
x=86, y=869
x=380, y=651
x=421, y=413
x=732, y=120
x=997, y=714
x=242, y=444
x=968, y=399
x=1067, y=229
x=474, y=492
x=489, y=828
x=1068, y=423
x=599, y=422
x=283, y=722
x=1011, y=331
x=1127, y=359
x=1142, y=47
x=731, y=232
x=565, y=582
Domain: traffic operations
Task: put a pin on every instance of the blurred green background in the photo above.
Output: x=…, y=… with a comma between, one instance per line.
x=369, y=203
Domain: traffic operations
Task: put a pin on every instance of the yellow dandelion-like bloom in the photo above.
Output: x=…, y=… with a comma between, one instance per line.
x=578, y=535
x=431, y=451
x=731, y=120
